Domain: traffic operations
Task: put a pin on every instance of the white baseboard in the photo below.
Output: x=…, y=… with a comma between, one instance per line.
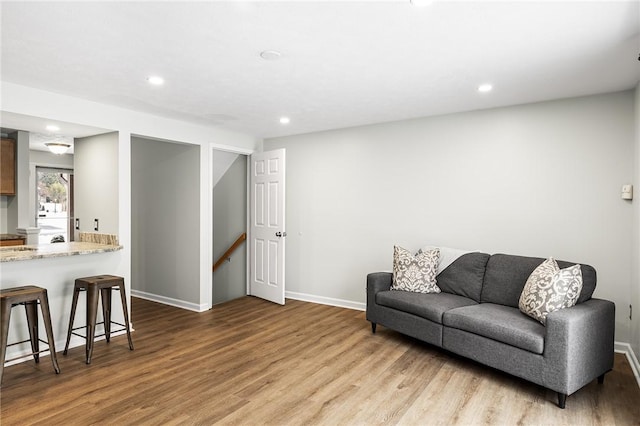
x=170, y=301
x=626, y=349
x=325, y=300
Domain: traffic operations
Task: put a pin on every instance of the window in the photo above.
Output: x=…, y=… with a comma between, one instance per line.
x=54, y=204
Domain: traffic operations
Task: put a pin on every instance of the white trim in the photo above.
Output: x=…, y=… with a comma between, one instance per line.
x=625, y=348
x=340, y=303
x=170, y=301
x=249, y=257
x=206, y=228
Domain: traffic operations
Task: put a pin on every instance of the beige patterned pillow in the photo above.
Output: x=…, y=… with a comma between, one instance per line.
x=549, y=289
x=415, y=273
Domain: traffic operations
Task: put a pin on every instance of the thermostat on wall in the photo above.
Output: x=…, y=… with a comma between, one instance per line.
x=627, y=192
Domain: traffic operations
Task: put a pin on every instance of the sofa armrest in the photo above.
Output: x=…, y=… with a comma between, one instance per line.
x=579, y=345
x=376, y=282
x=379, y=281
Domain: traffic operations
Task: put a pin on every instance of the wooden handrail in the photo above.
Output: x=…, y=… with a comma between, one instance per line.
x=227, y=254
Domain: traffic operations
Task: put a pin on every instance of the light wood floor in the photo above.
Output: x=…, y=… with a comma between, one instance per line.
x=251, y=362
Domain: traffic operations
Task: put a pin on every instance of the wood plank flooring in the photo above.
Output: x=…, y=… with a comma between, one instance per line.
x=250, y=362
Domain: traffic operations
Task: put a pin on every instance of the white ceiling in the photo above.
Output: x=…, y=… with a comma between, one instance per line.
x=343, y=63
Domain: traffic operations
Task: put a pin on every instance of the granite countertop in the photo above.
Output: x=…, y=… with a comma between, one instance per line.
x=42, y=251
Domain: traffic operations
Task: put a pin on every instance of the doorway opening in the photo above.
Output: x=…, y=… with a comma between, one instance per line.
x=54, y=204
x=229, y=224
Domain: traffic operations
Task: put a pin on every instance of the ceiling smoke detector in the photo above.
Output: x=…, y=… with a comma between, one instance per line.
x=270, y=55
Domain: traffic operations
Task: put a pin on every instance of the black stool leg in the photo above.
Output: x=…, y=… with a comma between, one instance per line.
x=74, y=304
x=5, y=316
x=46, y=316
x=31, y=308
x=123, y=298
x=92, y=313
x=106, y=311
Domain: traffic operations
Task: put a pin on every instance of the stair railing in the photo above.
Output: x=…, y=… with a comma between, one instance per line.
x=227, y=254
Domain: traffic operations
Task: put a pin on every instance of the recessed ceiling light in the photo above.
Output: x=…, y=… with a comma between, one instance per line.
x=52, y=128
x=155, y=80
x=285, y=120
x=421, y=3
x=270, y=55
x=484, y=88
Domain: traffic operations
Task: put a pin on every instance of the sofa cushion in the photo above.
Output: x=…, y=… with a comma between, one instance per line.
x=415, y=273
x=506, y=276
x=426, y=305
x=464, y=276
x=498, y=322
x=549, y=289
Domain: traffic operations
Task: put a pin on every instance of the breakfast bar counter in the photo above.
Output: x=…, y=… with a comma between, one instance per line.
x=56, y=267
x=16, y=253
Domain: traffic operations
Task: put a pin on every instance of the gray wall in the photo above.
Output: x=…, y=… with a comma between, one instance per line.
x=95, y=169
x=229, y=221
x=540, y=179
x=48, y=159
x=635, y=281
x=165, y=219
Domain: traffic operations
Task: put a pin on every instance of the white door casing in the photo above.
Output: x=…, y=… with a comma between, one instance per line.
x=267, y=226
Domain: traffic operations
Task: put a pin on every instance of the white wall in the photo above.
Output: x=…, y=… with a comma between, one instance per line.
x=48, y=159
x=635, y=281
x=541, y=180
x=96, y=176
x=165, y=194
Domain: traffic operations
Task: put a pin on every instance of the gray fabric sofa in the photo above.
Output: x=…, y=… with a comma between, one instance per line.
x=476, y=315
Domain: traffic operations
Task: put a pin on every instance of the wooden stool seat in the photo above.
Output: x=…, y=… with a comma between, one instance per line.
x=94, y=286
x=29, y=296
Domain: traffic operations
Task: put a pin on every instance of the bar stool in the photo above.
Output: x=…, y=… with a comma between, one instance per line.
x=29, y=296
x=100, y=284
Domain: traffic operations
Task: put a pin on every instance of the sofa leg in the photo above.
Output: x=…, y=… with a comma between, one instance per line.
x=562, y=399
x=601, y=379
x=373, y=327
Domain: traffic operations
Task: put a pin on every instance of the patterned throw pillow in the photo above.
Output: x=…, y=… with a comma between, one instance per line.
x=415, y=273
x=549, y=289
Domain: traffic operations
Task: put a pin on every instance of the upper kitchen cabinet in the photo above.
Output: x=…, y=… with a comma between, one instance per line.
x=8, y=167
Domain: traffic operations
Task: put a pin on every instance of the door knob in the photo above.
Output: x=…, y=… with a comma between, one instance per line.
x=281, y=234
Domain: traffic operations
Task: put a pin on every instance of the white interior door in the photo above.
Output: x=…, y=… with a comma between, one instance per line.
x=267, y=227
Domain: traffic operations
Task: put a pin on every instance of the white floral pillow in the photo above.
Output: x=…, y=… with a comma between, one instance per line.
x=415, y=273
x=549, y=289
